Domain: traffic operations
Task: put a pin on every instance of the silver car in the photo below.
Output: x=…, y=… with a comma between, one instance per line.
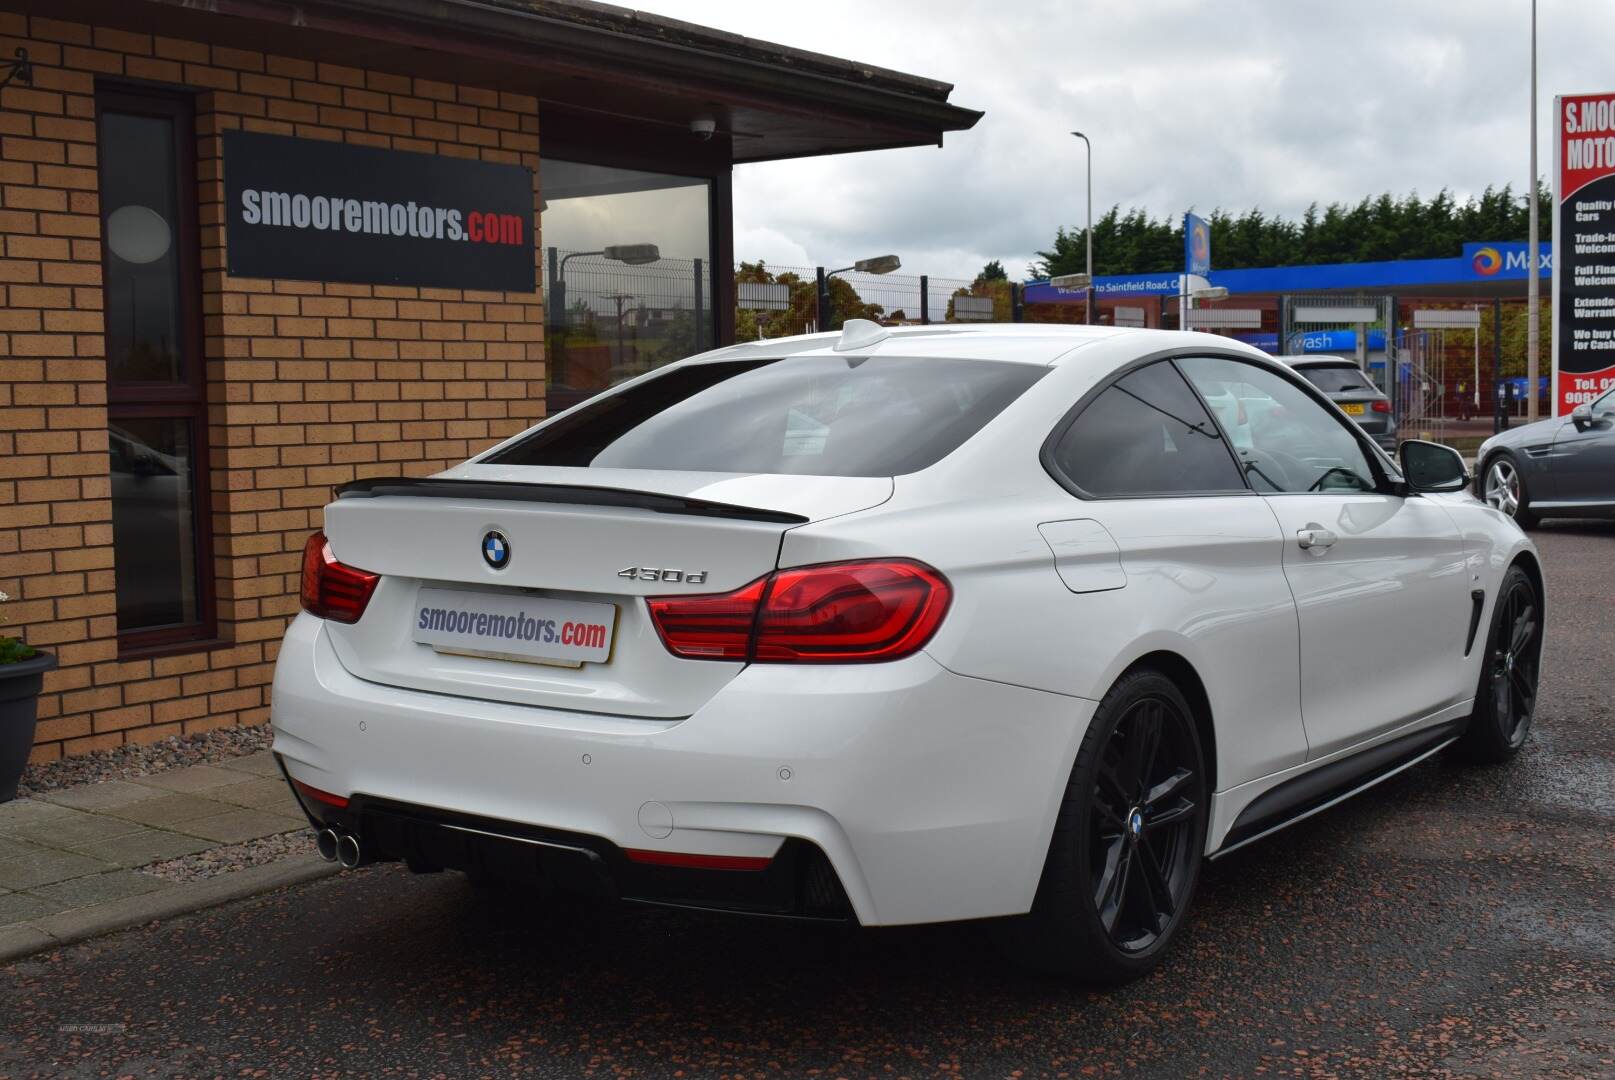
x=1347, y=386
x=1560, y=467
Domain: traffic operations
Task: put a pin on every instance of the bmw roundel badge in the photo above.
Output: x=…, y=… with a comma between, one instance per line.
x=495, y=549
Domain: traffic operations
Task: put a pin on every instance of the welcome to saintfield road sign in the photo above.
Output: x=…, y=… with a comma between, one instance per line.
x=310, y=210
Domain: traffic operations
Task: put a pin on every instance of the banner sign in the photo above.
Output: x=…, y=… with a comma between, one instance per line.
x=1041, y=292
x=311, y=210
x=1196, y=245
x=1333, y=341
x=1584, y=238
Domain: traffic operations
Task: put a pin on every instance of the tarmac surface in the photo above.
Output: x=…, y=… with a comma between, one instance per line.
x=1454, y=922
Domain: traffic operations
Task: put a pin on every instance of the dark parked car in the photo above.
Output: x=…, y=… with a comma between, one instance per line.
x=1560, y=467
x=1355, y=393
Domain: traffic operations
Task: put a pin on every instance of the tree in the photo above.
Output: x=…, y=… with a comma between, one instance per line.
x=1381, y=228
x=802, y=314
x=993, y=271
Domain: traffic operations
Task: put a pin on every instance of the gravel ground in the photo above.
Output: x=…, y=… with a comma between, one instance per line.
x=222, y=860
x=123, y=762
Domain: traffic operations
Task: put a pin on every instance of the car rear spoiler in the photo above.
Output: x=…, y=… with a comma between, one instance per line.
x=567, y=494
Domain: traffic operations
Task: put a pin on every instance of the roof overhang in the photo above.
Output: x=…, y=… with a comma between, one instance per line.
x=595, y=68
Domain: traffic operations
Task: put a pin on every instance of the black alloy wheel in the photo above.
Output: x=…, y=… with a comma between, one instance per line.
x=1128, y=841
x=1146, y=794
x=1515, y=660
x=1506, y=697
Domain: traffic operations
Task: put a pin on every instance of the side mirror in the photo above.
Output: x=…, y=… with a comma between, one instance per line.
x=1582, y=417
x=1432, y=467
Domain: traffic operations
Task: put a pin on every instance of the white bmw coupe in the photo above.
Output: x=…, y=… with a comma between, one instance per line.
x=904, y=626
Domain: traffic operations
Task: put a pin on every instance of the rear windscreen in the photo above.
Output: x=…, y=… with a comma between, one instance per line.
x=818, y=415
x=1337, y=380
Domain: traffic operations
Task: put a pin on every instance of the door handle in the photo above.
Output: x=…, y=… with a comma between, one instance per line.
x=1315, y=538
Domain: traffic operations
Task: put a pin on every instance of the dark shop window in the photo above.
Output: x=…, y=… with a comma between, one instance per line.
x=156, y=398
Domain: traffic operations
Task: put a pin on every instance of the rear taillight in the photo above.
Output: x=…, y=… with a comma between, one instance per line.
x=717, y=626
x=851, y=612
x=1382, y=406
x=330, y=589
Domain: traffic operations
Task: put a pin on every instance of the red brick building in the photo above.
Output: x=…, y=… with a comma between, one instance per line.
x=169, y=430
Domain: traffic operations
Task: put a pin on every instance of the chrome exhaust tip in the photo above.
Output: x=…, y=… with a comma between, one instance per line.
x=325, y=841
x=348, y=852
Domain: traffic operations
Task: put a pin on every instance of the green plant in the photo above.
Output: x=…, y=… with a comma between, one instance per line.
x=12, y=650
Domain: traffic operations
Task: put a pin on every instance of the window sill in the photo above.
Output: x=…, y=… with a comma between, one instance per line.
x=149, y=651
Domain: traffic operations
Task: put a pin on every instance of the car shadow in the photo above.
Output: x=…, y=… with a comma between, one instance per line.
x=1577, y=527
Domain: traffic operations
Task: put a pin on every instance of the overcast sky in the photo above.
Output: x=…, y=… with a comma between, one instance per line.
x=1269, y=103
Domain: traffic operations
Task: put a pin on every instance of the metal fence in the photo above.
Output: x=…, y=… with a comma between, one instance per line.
x=610, y=318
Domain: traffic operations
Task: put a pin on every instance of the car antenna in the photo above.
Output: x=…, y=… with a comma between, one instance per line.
x=860, y=334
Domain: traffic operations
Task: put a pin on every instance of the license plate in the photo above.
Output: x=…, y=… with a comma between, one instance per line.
x=532, y=629
x=1354, y=410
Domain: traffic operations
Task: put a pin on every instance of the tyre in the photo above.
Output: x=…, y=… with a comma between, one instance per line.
x=1505, y=698
x=1128, y=841
x=1503, y=488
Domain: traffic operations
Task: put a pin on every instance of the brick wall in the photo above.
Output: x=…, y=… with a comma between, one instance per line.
x=309, y=385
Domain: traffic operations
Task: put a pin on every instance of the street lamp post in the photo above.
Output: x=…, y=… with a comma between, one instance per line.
x=1087, y=303
x=620, y=298
x=1533, y=284
x=627, y=254
x=880, y=264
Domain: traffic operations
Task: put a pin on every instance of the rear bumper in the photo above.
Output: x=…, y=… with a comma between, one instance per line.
x=797, y=882
x=931, y=796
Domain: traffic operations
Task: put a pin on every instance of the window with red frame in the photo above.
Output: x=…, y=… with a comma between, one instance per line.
x=156, y=394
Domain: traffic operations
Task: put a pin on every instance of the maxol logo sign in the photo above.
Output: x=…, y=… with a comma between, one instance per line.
x=1487, y=261
x=1506, y=260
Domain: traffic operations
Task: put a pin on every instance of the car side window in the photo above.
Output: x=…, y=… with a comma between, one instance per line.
x=1146, y=434
x=1285, y=440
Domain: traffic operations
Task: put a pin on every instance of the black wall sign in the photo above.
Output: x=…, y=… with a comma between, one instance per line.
x=321, y=211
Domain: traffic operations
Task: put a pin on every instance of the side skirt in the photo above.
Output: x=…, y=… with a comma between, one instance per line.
x=1316, y=791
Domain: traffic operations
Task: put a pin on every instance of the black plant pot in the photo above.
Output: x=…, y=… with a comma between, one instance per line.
x=20, y=684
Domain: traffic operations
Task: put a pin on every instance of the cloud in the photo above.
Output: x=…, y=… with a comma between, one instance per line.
x=1237, y=104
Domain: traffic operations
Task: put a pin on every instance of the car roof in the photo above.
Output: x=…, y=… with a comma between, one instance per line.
x=1030, y=343
x=1319, y=361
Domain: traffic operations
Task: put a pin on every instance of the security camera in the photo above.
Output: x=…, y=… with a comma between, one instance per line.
x=702, y=127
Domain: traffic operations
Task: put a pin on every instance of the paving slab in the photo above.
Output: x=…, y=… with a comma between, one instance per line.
x=170, y=810
x=70, y=858
x=46, y=866
x=19, y=812
x=106, y=795
x=99, y=888
x=12, y=848
x=23, y=907
x=79, y=828
x=260, y=764
x=145, y=846
x=22, y=939
x=80, y=923
x=236, y=826
x=261, y=793
x=196, y=779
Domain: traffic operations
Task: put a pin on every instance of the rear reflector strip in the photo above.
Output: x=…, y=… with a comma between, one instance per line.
x=338, y=801
x=698, y=862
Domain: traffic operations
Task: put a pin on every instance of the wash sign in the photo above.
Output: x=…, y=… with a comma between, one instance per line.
x=1334, y=341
